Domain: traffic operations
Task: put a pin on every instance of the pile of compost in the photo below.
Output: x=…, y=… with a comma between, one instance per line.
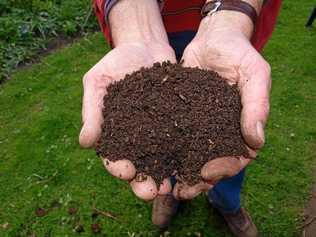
x=170, y=119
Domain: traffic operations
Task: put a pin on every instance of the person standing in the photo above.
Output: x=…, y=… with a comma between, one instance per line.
x=223, y=35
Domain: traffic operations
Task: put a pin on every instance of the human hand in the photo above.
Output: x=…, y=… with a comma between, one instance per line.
x=140, y=40
x=224, y=47
x=114, y=66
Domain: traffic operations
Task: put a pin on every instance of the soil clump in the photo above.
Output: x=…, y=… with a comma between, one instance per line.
x=171, y=119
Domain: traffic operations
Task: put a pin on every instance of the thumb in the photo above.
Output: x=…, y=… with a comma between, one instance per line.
x=255, y=91
x=92, y=104
x=184, y=191
x=223, y=167
x=190, y=57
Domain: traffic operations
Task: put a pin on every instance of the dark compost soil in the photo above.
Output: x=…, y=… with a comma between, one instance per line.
x=170, y=118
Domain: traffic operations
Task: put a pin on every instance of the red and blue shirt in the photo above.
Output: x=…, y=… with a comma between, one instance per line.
x=182, y=17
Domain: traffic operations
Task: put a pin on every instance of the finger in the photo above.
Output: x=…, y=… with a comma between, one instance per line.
x=94, y=90
x=255, y=89
x=123, y=169
x=252, y=153
x=145, y=189
x=189, y=57
x=223, y=167
x=165, y=187
x=185, y=192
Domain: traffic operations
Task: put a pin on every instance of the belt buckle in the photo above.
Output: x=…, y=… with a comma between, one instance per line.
x=217, y=5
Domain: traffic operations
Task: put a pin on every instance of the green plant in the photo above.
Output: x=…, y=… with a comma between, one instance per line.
x=28, y=26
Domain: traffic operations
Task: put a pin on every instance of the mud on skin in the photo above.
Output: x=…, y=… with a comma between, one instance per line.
x=170, y=118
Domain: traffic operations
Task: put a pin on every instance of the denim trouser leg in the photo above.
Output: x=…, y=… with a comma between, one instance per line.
x=225, y=195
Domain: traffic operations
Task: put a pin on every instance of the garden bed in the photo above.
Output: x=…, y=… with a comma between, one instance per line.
x=29, y=28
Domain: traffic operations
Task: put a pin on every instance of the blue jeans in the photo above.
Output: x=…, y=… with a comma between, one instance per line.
x=225, y=195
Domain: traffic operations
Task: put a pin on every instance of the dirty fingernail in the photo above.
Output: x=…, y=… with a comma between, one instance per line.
x=140, y=177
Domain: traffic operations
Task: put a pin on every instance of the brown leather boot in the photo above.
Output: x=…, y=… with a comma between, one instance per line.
x=240, y=224
x=164, y=208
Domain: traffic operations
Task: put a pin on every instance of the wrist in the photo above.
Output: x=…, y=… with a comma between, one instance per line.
x=231, y=20
x=137, y=21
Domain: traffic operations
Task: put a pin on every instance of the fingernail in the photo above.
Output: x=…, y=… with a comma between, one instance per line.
x=260, y=132
x=140, y=177
x=81, y=136
x=81, y=132
x=106, y=161
x=83, y=139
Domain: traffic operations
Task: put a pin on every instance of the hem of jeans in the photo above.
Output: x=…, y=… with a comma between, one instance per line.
x=226, y=211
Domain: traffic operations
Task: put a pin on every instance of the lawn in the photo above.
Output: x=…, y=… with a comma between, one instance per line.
x=42, y=165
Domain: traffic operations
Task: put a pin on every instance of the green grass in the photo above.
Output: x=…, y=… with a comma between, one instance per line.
x=41, y=161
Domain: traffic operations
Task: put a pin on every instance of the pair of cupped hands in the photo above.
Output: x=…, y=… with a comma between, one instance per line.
x=227, y=52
